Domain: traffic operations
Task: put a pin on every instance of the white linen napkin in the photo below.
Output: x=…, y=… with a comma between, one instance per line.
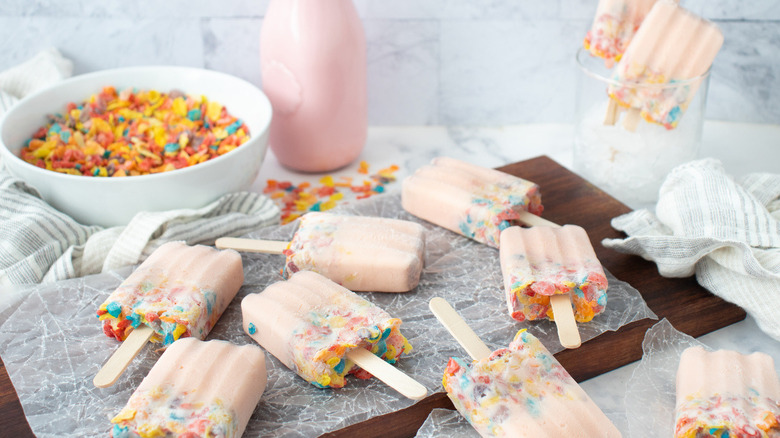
x=725, y=231
x=45, y=68
x=40, y=244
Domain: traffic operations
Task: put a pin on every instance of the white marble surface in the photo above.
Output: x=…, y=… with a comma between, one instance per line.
x=433, y=62
x=743, y=148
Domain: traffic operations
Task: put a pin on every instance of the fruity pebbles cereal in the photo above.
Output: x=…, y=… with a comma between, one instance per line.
x=134, y=132
x=295, y=200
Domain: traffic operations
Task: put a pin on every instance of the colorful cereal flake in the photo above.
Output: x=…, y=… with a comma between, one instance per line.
x=321, y=342
x=524, y=377
x=294, y=200
x=131, y=133
x=160, y=412
x=175, y=312
x=728, y=416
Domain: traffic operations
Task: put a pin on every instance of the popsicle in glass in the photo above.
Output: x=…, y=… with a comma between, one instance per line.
x=662, y=68
x=196, y=388
x=614, y=25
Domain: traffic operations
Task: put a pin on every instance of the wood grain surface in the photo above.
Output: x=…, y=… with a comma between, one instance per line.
x=567, y=199
x=12, y=420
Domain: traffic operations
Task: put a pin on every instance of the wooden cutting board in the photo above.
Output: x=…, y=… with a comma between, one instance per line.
x=567, y=199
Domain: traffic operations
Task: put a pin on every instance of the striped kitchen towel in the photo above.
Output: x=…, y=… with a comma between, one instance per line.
x=43, y=69
x=41, y=244
x=725, y=231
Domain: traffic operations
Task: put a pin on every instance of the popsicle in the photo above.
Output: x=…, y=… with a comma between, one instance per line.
x=615, y=23
x=323, y=332
x=178, y=291
x=727, y=394
x=360, y=253
x=196, y=389
x=474, y=201
x=519, y=391
x=545, y=267
x=673, y=46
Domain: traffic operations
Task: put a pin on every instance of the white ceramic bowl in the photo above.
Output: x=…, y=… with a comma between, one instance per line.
x=114, y=201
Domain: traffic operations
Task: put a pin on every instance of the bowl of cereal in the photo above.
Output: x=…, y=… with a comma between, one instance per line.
x=104, y=146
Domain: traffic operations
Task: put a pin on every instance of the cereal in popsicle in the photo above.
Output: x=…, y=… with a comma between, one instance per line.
x=614, y=25
x=540, y=262
x=179, y=291
x=195, y=389
x=726, y=394
x=673, y=46
x=523, y=391
x=324, y=332
x=474, y=201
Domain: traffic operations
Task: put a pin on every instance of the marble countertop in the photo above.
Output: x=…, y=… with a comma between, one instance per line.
x=742, y=148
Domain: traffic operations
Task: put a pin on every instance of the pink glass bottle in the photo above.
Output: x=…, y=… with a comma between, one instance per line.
x=313, y=67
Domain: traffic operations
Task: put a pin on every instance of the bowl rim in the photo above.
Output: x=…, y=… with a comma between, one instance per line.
x=7, y=154
x=583, y=56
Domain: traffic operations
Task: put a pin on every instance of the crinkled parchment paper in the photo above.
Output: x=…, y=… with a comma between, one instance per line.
x=52, y=343
x=444, y=422
x=651, y=393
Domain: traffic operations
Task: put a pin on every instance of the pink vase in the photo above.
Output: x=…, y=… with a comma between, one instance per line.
x=313, y=66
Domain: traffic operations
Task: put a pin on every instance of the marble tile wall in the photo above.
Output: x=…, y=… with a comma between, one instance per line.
x=430, y=62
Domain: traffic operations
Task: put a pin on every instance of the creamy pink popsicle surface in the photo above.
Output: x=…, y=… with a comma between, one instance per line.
x=661, y=69
x=614, y=25
x=523, y=391
x=360, y=253
x=179, y=291
x=310, y=323
x=196, y=389
x=540, y=262
x=474, y=201
x=727, y=394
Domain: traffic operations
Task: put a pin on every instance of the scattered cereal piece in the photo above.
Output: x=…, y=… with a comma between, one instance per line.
x=297, y=200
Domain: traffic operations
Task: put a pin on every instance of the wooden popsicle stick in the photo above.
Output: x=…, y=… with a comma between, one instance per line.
x=631, y=120
x=532, y=220
x=458, y=328
x=563, y=313
x=118, y=362
x=451, y=398
x=568, y=333
x=613, y=112
x=387, y=373
x=251, y=245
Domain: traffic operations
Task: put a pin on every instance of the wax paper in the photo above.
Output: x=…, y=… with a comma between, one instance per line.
x=445, y=422
x=651, y=392
x=52, y=343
